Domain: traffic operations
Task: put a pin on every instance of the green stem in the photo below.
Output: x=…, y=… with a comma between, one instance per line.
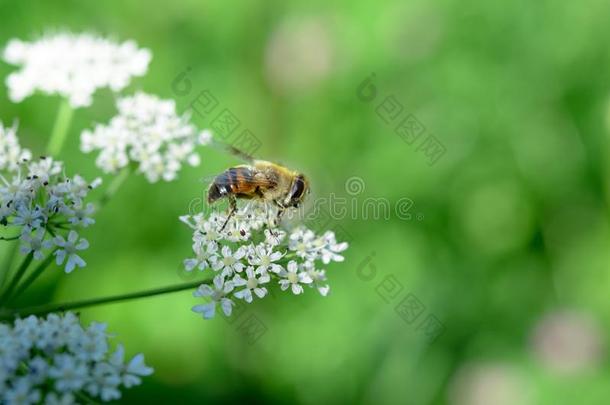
x=8, y=262
x=10, y=237
x=45, y=309
x=60, y=128
x=116, y=183
x=32, y=277
x=20, y=272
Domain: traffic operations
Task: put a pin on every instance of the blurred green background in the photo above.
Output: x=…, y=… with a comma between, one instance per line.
x=508, y=245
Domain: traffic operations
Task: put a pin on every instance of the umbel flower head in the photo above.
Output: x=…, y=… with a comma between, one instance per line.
x=248, y=256
x=51, y=360
x=148, y=132
x=38, y=202
x=73, y=66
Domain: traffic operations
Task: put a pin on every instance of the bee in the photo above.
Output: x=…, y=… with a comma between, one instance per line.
x=259, y=180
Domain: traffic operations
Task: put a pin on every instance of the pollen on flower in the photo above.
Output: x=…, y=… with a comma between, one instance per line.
x=44, y=359
x=249, y=255
x=73, y=66
x=148, y=132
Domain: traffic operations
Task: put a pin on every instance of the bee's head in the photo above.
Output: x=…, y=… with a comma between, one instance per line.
x=298, y=191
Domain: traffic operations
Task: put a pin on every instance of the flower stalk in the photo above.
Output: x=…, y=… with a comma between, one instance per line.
x=60, y=128
x=116, y=183
x=8, y=262
x=18, y=275
x=54, y=307
x=32, y=277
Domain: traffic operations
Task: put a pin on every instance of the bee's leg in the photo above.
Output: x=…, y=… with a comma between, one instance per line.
x=232, y=210
x=267, y=215
x=280, y=212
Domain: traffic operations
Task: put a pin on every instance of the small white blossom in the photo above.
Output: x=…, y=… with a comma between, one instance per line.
x=274, y=237
x=135, y=370
x=28, y=218
x=207, y=256
x=147, y=131
x=302, y=243
x=73, y=66
x=34, y=244
x=318, y=277
x=80, y=214
x=330, y=249
x=68, y=249
x=293, y=278
x=306, y=245
x=69, y=373
x=252, y=283
x=264, y=259
x=218, y=294
x=230, y=262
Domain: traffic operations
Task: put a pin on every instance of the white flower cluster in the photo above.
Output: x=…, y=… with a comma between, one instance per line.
x=247, y=255
x=11, y=153
x=73, y=66
x=149, y=132
x=37, y=201
x=53, y=360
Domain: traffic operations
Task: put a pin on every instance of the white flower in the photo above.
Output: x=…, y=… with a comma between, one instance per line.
x=218, y=294
x=134, y=370
x=252, y=283
x=93, y=343
x=34, y=244
x=302, y=243
x=80, y=214
x=69, y=249
x=73, y=66
x=318, y=278
x=264, y=258
x=330, y=249
x=42, y=170
x=29, y=218
x=70, y=374
x=207, y=255
x=11, y=153
x=230, y=262
x=274, y=237
x=306, y=245
x=105, y=380
x=292, y=278
x=147, y=131
x=49, y=360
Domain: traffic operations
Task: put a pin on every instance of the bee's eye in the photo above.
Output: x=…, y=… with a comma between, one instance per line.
x=297, y=188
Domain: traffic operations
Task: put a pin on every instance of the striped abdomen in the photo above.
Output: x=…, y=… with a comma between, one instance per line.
x=238, y=181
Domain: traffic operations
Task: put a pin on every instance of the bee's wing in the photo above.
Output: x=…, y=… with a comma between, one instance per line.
x=240, y=154
x=233, y=151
